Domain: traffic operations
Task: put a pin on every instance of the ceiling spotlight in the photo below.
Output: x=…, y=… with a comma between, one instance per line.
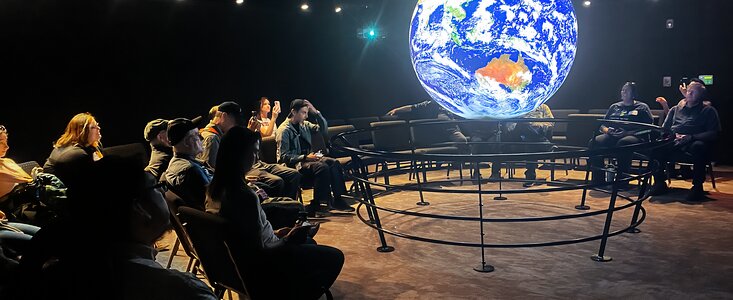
x=338, y=9
x=304, y=7
x=240, y=2
x=586, y=3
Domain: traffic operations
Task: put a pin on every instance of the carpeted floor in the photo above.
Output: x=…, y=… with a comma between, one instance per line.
x=684, y=250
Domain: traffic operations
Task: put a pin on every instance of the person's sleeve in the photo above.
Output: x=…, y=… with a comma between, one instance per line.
x=285, y=149
x=12, y=173
x=712, y=127
x=321, y=125
x=211, y=147
x=667, y=125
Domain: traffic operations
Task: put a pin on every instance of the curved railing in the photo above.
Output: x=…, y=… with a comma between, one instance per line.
x=362, y=158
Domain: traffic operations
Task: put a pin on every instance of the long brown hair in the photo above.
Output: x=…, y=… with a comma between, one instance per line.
x=77, y=132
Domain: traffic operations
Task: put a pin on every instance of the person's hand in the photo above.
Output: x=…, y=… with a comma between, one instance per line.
x=311, y=157
x=2, y=215
x=607, y=130
x=681, y=139
x=617, y=132
x=297, y=234
x=683, y=89
x=311, y=108
x=253, y=125
x=663, y=102
x=276, y=110
x=280, y=233
x=393, y=112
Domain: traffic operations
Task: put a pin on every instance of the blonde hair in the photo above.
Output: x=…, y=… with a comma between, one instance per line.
x=77, y=132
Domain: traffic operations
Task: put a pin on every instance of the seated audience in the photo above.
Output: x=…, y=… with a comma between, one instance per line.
x=156, y=132
x=617, y=134
x=266, y=124
x=122, y=263
x=531, y=132
x=186, y=176
x=76, y=150
x=225, y=116
x=256, y=247
x=429, y=109
x=695, y=127
x=294, y=149
x=10, y=173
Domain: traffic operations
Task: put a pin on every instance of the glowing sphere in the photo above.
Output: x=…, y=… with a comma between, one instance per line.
x=492, y=58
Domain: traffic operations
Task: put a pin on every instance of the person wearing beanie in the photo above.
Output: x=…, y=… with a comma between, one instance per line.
x=186, y=176
x=156, y=133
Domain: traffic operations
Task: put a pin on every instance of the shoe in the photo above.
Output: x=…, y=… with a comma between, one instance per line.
x=315, y=211
x=340, y=205
x=659, y=188
x=530, y=183
x=314, y=229
x=696, y=194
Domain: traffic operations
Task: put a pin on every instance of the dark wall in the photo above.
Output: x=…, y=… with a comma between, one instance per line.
x=129, y=61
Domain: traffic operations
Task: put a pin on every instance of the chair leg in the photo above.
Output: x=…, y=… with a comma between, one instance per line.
x=712, y=175
x=173, y=253
x=190, y=263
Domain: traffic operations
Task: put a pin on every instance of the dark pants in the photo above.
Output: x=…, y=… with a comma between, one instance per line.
x=281, y=211
x=278, y=180
x=328, y=179
x=623, y=158
x=698, y=152
x=293, y=272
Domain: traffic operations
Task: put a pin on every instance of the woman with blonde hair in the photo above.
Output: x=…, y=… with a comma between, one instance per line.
x=76, y=150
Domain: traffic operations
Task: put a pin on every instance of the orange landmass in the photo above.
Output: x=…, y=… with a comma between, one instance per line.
x=505, y=71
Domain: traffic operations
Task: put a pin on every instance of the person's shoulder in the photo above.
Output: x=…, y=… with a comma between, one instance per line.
x=616, y=104
x=642, y=105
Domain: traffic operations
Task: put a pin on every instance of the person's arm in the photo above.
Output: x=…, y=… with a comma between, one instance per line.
x=712, y=128
x=211, y=147
x=665, y=105
x=604, y=127
x=285, y=149
x=265, y=132
x=12, y=173
x=400, y=110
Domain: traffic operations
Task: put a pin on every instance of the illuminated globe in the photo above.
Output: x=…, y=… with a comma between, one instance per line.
x=492, y=58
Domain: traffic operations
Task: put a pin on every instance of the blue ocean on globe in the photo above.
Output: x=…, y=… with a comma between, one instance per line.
x=492, y=58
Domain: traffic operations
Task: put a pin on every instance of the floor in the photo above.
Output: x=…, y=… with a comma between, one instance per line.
x=684, y=250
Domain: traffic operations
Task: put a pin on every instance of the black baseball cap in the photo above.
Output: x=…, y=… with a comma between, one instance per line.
x=232, y=108
x=297, y=104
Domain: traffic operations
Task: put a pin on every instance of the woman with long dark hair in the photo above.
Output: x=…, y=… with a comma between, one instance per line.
x=267, y=258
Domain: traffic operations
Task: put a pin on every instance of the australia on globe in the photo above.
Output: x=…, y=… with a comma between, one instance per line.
x=492, y=58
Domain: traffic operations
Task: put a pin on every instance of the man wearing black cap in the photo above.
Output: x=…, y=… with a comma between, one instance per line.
x=156, y=132
x=227, y=115
x=186, y=176
x=294, y=149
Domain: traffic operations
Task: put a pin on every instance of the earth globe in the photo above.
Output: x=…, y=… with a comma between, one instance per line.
x=492, y=59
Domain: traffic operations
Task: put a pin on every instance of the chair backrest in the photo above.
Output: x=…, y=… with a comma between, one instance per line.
x=561, y=128
x=658, y=116
x=391, y=139
x=336, y=122
x=362, y=123
x=208, y=233
x=351, y=139
x=428, y=135
x=389, y=118
x=174, y=202
x=582, y=128
x=268, y=150
x=28, y=166
x=601, y=111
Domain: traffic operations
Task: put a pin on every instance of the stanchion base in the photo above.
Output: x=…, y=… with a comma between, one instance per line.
x=500, y=198
x=484, y=268
x=423, y=203
x=633, y=230
x=601, y=258
x=385, y=249
x=582, y=207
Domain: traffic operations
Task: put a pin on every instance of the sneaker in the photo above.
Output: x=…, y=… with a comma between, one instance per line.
x=530, y=183
x=313, y=230
x=340, y=205
x=696, y=194
x=659, y=188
